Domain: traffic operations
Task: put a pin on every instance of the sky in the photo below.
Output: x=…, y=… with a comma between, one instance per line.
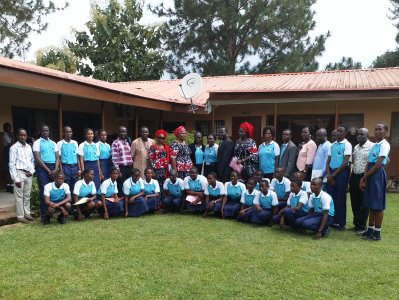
x=360, y=29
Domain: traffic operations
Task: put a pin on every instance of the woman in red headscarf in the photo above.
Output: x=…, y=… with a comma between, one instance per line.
x=180, y=153
x=159, y=157
x=246, y=151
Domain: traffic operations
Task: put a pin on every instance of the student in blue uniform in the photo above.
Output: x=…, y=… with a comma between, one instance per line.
x=105, y=154
x=266, y=207
x=89, y=156
x=194, y=187
x=231, y=204
x=321, y=211
x=305, y=184
x=111, y=206
x=248, y=200
x=133, y=189
x=68, y=152
x=268, y=152
x=85, y=188
x=281, y=186
x=173, y=188
x=374, y=181
x=210, y=155
x=57, y=197
x=151, y=190
x=214, y=194
x=259, y=177
x=337, y=175
x=297, y=206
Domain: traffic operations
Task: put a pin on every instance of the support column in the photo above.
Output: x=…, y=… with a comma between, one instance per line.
x=275, y=117
x=213, y=120
x=60, y=116
x=336, y=114
x=160, y=119
x=136, y=124
x=102, y=114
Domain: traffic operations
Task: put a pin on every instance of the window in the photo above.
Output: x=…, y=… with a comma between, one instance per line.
x=206, y=126
x=354, y=122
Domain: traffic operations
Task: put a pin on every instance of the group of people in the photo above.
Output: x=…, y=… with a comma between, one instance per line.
x=300, y=186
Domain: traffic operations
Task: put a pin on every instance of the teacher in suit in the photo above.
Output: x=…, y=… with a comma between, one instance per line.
x=225, y=154
x=287, y=154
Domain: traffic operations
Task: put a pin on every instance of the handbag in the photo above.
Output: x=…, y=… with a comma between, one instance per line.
x=247, y=171
x=235, y=166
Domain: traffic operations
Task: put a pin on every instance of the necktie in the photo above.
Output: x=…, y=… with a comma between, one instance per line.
x=283, y=147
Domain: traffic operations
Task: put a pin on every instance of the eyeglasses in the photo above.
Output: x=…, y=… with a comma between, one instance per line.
x=161, y=137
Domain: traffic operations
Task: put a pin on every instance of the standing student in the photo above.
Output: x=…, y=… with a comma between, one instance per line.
x=133, y=188
x=210, y=155
x=194, y=187
x=47, y=163
x=151, y=190
x=224, y=156
x=57, y=197
x=89, y=156
x=306, y=153
x=173, y=191
x=85, y=188
x=297, y=206
x=232, y=201
x=281, y=185
x=321, y=156
x=288, y=155
x=140, y=148
x=111, y=205
x=22, y=167
x=359, y=162
x=268, y=153
x=197, y=151
x=122, y=158
x=105, y=154
x=248, y=200
x=321, y=211
x=337, y=175
x=68, y=151
x=266, y=207
x=214, y=193
x=374, y=181
x=333, y=136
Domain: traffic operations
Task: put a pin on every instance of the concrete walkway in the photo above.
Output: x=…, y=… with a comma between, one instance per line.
x=7, y=209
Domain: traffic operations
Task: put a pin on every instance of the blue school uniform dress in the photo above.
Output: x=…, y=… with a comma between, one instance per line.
x=197, y=185
x=375, y=193
x=215, y=193
x=266, y=202
x=150, y=188
x=68, y=152
x=105, y=159
x=56, y=194
x=248, y=200
x=281, y=188
x=267, y=154
x=210, y=159
x=173, y=201
x=131, y=188
x=90, y=154
x=293, y=201
x=319, y=203
x=233, y=198
x=199, y=158
x=338, y=151
x=47, y=150
x=108, y=189
x=83, y=189
x=257, y=184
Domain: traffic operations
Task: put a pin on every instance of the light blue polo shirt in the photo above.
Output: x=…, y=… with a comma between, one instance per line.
x=47, y=149
x=267, y=156
x=337, y=153
x=105, y=150
x=68, y=152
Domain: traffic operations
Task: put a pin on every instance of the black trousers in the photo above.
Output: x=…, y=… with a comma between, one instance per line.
x=126, y=172
x=360, y=213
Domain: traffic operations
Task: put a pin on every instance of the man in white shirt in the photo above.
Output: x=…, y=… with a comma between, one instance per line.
x=22, y=168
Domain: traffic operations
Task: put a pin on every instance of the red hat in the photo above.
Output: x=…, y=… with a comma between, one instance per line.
x=179, y=130
x=248, y=128
x=160, y=132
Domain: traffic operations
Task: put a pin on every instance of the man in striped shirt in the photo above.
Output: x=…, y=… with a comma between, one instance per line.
x=122, y=158
x=22, y=168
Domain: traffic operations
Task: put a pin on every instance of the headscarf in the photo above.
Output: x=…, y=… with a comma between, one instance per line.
x=160, y=132
x=248, y=128
x=179, y=130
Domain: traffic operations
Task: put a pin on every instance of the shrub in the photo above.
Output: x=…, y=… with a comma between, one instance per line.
x=34, y=196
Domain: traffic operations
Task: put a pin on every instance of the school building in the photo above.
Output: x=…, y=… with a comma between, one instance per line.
x=32, y=95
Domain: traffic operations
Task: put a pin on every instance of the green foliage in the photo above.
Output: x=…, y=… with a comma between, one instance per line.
x=395, y=15
x=388, y=59
x=61, y=59
x=34, y=196
x=18, y=19
x=346, y=63
x=116, y=47
x=222, y=37
x=171, y=138
x=172, y=256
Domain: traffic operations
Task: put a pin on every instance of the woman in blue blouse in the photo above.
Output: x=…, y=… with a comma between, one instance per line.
x=210, y=156
x=105, y=154
x=268, y=153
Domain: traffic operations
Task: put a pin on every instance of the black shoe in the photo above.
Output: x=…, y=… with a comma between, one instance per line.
x=61, y=219
x=325, y=233
x=368, y=234
x=376, y=236
x=334, y=225
x=46, y=220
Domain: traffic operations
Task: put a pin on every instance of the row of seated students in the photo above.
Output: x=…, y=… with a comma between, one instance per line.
x=300, y=205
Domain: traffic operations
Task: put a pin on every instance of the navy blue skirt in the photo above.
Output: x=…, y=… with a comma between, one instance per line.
x=375, y=193
x=261, y=217
x=92, y=165
x=152, y=203
x=105, y=165
x=231, y=208
x=137, y=208
x=114, y=209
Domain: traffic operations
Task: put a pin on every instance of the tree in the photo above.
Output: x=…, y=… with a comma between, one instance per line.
x=388, y=59
x=216, y=37
x=61, y=59
x=116, y=47
x=19, y=18
x=346, y=63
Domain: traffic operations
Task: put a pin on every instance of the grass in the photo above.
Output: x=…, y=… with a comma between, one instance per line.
x=187, y=257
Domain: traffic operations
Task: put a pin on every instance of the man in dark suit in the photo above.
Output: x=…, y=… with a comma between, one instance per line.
x=225, y=154
x=288, y=154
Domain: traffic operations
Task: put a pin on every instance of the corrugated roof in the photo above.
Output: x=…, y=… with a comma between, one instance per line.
x=345, y=80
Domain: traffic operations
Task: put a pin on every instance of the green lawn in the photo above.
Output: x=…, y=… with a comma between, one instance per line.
x=185, y=256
